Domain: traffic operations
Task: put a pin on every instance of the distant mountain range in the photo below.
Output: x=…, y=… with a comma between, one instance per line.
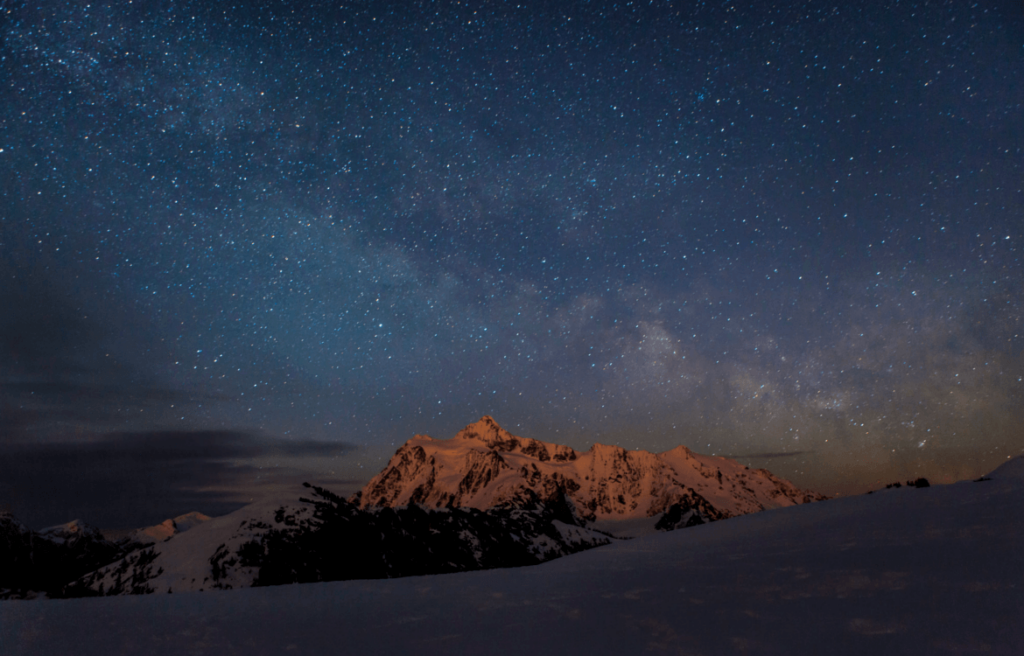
x=45, y=562
x=484, y=499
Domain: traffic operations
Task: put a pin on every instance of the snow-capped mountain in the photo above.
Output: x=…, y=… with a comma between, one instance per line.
x=317, y=536
x=486, y=466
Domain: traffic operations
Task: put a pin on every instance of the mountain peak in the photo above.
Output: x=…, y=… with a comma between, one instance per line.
x=607, y=449
x=494, y=437
x=486, y=430
x=484, y=465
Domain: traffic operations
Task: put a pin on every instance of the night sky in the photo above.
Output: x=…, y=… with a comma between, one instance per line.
x=248, y=244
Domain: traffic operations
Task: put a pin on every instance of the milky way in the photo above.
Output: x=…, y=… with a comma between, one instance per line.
x=789, y=235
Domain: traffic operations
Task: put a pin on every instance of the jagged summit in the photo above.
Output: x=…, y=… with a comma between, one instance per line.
x=485, y=466
x=488, y=433
x=487, y=430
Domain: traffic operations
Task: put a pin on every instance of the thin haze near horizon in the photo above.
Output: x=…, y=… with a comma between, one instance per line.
x=242, y=245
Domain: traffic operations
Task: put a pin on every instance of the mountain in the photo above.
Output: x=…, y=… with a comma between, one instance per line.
x=933, y=570
x=484, y=466
x=318, y=536
x=43, y=562
x=482, y=500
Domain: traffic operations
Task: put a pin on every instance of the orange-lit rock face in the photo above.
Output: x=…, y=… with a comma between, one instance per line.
x=486, y=466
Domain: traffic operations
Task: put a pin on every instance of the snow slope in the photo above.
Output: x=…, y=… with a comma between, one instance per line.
x=937, y=570
x=484, y=465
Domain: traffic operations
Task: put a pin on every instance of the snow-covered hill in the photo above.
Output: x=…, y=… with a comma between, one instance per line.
x=314, y=535
x=485, y=465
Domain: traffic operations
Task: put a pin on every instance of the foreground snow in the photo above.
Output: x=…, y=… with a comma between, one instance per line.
x=905, y=571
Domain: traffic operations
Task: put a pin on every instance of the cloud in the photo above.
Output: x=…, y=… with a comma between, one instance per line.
x=63, y=366
x=123, y=480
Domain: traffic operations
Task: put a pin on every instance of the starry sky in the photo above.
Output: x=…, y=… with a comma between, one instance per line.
x=243, y=244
